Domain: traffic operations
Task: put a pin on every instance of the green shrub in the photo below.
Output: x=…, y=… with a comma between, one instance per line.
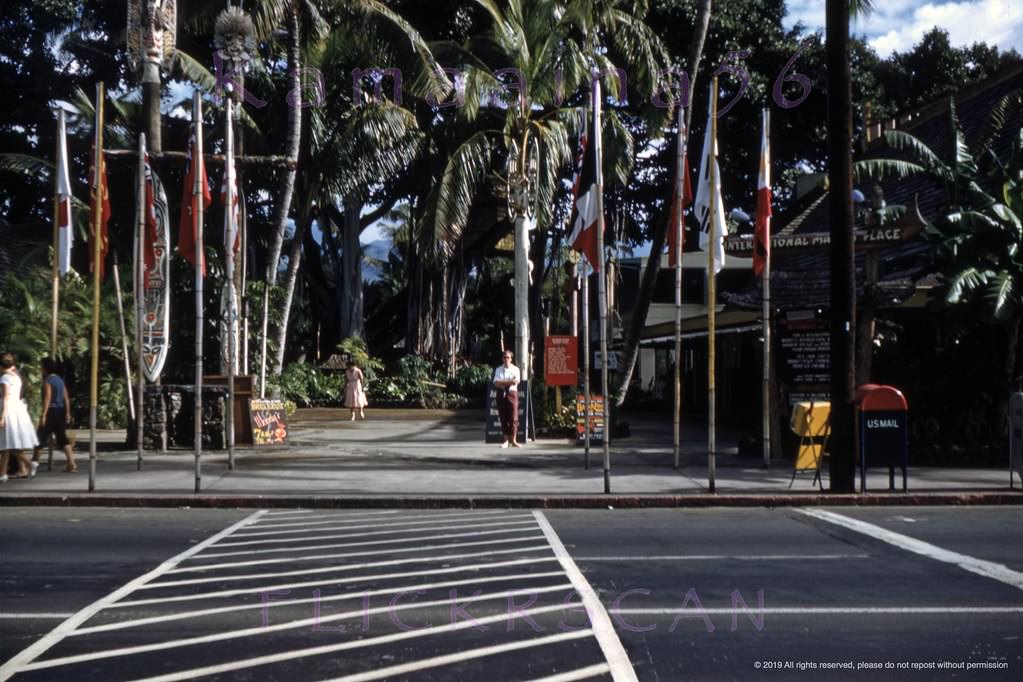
x=309, y=386
x=471, y=383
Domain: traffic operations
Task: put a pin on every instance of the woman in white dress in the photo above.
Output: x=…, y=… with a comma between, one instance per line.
x=16, y=430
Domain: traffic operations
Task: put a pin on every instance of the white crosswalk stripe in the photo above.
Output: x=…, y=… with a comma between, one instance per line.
x=442, y=591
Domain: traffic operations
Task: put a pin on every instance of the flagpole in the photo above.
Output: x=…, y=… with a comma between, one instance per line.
x=586, y=362
x=97, y=222
x=56, y=240
x=55, y=303
x=766, y=313
x=140, y=299
x=602, y=287
x=678, y=226
x=712, y=290
x=200, y=262
x=124, y=341
x=229, y=276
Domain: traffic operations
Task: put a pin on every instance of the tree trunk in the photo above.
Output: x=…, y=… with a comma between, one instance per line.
x=630, y=353
x=290, y=278
x=287, y=188
x=352, y=319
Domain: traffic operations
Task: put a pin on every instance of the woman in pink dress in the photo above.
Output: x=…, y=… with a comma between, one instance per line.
x=355, y=395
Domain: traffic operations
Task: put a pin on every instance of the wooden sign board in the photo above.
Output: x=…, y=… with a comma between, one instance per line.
x=742, y=245
x=269, y=422
x=596, y=419
x=561, y=360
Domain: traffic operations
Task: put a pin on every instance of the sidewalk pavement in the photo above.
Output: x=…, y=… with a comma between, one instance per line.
x=437, y=458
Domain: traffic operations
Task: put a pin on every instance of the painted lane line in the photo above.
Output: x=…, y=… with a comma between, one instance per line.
x=313, y=527
x=598, y=670
x=340, y=567
x=61, y=631
x=345, y=646
x=304, y=548
x=184, y=615
x=726, y=557
x=262, y=630
x=827, y=610
x=449, y=659
x=379, y=547
x=607, y=638
x=317, y=512
x=29, y=616
x=414, y=538
x=988, y=569
x=343, y=555
x=319, y=519
x=372, y=534
x=353, y=579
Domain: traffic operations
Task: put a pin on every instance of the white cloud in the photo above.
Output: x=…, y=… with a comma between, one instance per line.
x=898, y=25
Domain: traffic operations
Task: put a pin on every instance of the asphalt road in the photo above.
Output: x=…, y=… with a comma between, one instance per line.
x=715, y=594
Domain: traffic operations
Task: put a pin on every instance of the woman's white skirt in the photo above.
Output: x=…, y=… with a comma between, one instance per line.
x=18, y=432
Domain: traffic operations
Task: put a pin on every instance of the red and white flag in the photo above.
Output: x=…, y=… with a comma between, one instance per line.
x=762, y=231
x=708, y=194
x=192, y=205
x=682, y=191
x=65, y=231
x=586, y=190
x=232, y=219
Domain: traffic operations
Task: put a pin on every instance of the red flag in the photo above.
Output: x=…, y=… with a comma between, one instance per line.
x=102, y=196
x=584, y=221
x=65, y=234
x=762, y=231
x=188, y=225
x=681, y=193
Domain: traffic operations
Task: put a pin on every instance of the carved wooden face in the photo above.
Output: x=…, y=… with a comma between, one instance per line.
x=154, y=22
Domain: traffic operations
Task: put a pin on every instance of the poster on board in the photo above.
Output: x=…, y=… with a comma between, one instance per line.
x=269, y=422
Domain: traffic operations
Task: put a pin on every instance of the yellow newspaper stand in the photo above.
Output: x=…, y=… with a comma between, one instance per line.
x=812, y=423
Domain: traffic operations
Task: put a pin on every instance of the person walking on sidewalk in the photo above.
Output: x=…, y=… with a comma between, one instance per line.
x=355, y=394
x=56, y=415
x=506, y=380
x=16, y=432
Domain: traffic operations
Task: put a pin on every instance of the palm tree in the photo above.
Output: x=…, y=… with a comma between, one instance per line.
x=524, y=81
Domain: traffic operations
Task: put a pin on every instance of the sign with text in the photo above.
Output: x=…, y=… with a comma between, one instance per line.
x=269, y=423
x=805, y=351
x=493, y=434
x=596, y=419
x=742, y=245
x=561, y=360
x=613, y=360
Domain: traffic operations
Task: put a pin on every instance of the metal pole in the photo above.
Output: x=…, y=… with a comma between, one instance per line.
x=766, y=313
x=712, y=290
x=229, y=276
x=262, y=356
x=97, y=223
x=586, y=363
x=679, y=190
x=198, y=164
x=140, y=303
x=602, y=289
x=124, y=342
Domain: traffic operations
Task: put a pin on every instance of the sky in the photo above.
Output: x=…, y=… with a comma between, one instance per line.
x=897, y=25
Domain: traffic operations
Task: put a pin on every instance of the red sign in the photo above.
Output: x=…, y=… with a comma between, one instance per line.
x=561, y=360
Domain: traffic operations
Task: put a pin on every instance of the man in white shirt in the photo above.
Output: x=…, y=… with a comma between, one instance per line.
x=506, y=380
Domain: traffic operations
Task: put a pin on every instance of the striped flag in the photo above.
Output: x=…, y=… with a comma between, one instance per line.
x=682, y=190
x=191, y=205
x=707, y=195
x=762, y=231
x=584, y=222
x=65, y=231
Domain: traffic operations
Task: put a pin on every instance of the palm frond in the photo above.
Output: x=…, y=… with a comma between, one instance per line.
x=463, y=175
x=880, y=169
x=965, y=283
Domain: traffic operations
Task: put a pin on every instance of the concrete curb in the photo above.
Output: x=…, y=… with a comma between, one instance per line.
x=513, y=502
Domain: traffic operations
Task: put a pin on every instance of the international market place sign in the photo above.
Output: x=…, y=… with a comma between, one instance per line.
x=742, y=245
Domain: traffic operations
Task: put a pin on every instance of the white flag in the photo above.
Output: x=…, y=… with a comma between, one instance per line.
x=706, y=194
x=65, y=231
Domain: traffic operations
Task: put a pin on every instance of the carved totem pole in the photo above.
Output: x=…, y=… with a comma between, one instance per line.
x=152, y=29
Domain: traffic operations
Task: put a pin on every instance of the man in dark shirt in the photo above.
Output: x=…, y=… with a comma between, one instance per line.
x=56, y=415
